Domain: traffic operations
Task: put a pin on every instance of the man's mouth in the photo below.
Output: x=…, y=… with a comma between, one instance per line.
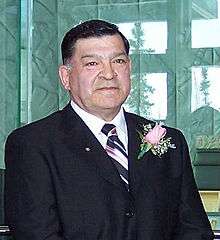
x=107, y=88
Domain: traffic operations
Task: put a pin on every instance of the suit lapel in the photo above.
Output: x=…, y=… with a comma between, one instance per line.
x=88, y=147
x=133, y=148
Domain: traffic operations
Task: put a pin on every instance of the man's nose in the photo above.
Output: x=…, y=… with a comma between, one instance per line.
x=107, y=71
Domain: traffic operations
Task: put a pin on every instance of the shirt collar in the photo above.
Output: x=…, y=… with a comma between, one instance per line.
x=95, y=124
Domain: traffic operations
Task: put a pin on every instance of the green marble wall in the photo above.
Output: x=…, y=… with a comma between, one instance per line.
x=205, y=120
x=28, y=63
x=9, y=69
x=45, y=83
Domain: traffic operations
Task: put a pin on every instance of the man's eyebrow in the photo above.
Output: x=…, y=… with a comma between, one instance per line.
x=89, y=56
x=120, y=54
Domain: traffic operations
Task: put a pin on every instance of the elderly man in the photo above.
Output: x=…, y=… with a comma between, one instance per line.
x=93, y=171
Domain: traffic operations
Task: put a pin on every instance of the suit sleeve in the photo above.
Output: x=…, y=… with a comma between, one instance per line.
x=30, y=203
x=193, y=221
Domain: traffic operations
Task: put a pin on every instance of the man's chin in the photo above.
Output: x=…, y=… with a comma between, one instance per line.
x=109, y=101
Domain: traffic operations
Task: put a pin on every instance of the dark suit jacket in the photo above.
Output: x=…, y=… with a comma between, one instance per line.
x=61, y=184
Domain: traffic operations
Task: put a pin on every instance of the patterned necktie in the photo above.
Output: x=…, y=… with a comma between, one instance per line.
x=116, y=150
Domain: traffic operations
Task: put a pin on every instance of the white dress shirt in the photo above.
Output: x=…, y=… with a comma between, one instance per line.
x=95, y=124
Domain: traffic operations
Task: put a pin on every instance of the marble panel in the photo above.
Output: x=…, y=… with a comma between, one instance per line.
x=9, y=70
x=45, y=90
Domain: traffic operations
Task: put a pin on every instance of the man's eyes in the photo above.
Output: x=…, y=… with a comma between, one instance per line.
x=120, y=60
x=91, y=64
x=99, y=64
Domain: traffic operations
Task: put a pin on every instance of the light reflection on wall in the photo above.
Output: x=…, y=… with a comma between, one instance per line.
x=151, y=30
x=206, y=32
x=159, y=82
x=205, y=90
x=158, y=111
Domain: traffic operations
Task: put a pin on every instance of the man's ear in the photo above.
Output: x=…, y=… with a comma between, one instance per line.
x=64, y=73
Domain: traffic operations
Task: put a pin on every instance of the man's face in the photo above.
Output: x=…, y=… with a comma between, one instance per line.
x=99, y=80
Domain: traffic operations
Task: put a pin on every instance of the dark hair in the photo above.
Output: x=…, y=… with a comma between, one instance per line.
x=87, y=29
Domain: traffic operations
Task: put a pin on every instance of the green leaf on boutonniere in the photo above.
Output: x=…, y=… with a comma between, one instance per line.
x=140, y=135
x=144, y=148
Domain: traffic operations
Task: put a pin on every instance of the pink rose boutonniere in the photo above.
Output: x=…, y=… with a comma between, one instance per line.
x=154, y=139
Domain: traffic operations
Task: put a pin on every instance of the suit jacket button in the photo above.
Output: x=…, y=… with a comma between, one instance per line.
x=129, y=214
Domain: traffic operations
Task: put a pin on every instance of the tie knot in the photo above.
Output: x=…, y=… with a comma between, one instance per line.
x=107, y=128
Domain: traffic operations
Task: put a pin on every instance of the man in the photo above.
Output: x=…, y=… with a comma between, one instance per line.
x=74, y=176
